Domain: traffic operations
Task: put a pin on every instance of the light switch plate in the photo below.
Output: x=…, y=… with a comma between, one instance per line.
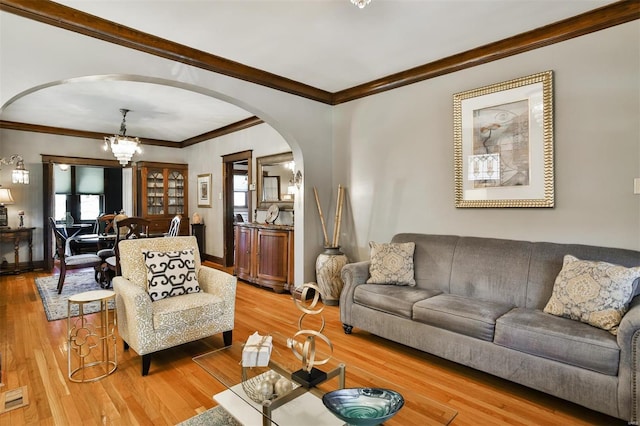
x=636, y=186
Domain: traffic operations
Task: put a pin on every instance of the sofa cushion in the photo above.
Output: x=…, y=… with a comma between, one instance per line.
x=170, y=273
x=391, y=263
x=396, y=300
x=178, y=313
x=464, y=315
x=560, y=339
x=596, y=293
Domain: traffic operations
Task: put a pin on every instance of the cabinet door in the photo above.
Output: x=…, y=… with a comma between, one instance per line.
x=175, y=192
x=155, y=192
x=243, y=252
x=272, y=250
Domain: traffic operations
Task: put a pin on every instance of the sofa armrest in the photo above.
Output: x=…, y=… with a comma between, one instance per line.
x=220, y=283
x=353, y=274
x=135, y=312
x=628, y=339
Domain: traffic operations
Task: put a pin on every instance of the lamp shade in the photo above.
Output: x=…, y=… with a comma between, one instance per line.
x=5, y=196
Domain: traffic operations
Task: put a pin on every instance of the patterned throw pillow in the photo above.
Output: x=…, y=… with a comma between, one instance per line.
x=596, y=293
x=170, y=273
x=392, y=263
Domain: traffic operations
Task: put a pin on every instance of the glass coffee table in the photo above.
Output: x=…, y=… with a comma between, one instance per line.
x=294, y=405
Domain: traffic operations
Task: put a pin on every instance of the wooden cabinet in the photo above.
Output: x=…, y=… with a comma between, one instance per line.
x=197, y=230
x=264, y=255
x=161, y=193
x=243, y=246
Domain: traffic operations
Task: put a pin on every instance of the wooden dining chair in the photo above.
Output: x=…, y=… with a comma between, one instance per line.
x=129, y=228
x=68, y=262
x=174, y=226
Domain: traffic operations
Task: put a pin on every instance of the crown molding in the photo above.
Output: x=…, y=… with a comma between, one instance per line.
x=598, y=19
x=61, y=16
x=233, y=127
x=36, y=128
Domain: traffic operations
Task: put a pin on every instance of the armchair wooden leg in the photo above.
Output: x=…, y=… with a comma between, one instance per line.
x=146, y=363
x=227, y=337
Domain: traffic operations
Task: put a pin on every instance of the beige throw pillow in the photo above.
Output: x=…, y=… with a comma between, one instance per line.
x=171, y=273
x=391, y=263
x=596, y=293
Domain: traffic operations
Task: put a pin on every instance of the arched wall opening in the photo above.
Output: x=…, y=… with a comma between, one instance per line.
x=87, y=149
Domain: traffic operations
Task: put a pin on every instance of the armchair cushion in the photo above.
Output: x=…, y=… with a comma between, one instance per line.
x=186, y=311
x=170, y=273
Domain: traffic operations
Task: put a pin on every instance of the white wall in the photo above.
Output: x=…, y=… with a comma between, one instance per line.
x=205, y=157
x=304, y=124
x=394, y=151
x=31, y=146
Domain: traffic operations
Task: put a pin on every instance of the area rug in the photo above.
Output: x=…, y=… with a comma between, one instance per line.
x=78, y=281
x=216, y=416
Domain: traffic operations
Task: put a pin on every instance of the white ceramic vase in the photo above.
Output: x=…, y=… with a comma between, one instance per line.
x=329, y=265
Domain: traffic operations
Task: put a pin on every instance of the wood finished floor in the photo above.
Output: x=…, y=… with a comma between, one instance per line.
x=34, y=354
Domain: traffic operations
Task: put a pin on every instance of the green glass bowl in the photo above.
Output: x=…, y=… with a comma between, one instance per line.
x=363, y=406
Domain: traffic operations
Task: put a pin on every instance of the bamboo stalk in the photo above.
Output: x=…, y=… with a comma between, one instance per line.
x=324, y=227
x=335, y=220
x=336, y=242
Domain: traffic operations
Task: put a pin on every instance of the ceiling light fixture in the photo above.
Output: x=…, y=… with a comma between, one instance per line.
x=19, y=174
x=122, y=146
x=361, y=3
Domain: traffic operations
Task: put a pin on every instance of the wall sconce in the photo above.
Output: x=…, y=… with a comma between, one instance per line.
x=298, y=179
x=19, y=174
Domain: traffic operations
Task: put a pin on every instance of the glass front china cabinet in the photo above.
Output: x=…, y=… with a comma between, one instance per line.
x=161, y=193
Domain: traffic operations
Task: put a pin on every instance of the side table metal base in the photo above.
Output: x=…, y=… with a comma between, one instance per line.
x=91, y=351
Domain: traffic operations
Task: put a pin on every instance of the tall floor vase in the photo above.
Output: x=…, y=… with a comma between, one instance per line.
x=329, y=265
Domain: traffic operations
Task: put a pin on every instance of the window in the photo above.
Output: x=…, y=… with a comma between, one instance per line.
x=239, y=199
x=79, y=191
x=89, y=207
x=60, y=207
x=240, y=191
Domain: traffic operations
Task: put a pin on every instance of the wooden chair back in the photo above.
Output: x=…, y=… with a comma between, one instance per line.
x=129, y=228
x=61, y=239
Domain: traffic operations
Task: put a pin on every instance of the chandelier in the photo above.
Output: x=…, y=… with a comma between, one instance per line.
x=361, y=3
x=19, y=174
x=122, y=146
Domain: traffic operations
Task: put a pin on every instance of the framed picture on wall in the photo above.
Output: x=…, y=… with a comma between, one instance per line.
x=204, y=190
x=503, y=144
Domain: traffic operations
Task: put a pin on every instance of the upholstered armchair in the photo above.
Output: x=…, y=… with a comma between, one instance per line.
x=148, y=325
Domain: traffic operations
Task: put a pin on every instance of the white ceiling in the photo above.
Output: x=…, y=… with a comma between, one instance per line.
x=328, y=44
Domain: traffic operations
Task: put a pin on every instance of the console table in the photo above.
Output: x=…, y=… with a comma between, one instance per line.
x=16, y=236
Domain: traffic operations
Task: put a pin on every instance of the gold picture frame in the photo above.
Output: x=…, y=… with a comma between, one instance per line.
x=204, y=190
x=503, y=144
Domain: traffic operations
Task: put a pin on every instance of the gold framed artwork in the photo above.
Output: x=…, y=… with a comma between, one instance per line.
x=503, y=144
x=204, y=190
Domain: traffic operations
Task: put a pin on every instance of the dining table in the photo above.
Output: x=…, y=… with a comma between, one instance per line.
x=71, y=232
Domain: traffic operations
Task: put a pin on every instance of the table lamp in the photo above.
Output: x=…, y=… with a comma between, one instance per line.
x=5, y=198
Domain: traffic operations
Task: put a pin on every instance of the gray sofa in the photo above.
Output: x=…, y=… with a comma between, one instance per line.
x=479, y=302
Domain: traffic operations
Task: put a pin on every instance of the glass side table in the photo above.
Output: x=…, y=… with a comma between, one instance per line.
x=91, y=341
